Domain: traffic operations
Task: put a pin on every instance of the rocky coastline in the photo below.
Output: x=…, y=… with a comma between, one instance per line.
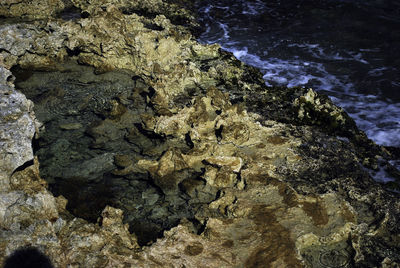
x=126, y=143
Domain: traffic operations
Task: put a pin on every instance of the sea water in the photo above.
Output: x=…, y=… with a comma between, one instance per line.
x=349, y=50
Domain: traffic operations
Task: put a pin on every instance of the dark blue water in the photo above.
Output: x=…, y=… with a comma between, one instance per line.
x=349, y=50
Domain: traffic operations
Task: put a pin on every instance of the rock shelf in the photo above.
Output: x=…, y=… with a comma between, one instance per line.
x=126, y=143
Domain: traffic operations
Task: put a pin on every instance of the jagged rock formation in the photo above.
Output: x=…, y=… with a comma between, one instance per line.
x=162, y=152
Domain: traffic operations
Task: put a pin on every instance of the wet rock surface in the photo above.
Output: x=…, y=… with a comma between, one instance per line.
x=92, y=138
x=153, y=150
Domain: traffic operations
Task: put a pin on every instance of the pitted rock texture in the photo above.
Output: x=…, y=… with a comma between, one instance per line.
x=35, y=9
x=18, y=125
x=149, y=134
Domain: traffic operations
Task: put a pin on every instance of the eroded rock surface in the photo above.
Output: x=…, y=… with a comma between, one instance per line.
x=18, y=125
x=152, y=150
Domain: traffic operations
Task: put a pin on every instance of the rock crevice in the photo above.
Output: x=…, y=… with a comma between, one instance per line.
x=151, y=149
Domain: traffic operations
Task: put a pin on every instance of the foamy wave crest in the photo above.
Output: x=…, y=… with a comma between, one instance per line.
x=292, y=72
x=292, y=59
x=378, y=118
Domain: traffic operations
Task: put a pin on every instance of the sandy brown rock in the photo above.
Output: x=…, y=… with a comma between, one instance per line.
x=35, y=9
x=244, y=175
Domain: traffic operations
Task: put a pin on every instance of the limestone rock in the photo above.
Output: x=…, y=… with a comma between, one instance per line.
x=176, y=152
x=18, y=125
x=31, y=10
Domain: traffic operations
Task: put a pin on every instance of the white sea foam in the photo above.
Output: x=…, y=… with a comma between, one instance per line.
x=225, y=30
x=381, y=175
x=253, y=8
x=302, y=62
x=378, y=118
x=305, y=65
x=287, y=62
x=329, y=53
x=377, y=71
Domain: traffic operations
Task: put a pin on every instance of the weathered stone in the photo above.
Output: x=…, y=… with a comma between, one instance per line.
x=35, y=9
x=150, y=127
x=122, y=160
x=17, y=127
x=234, y=163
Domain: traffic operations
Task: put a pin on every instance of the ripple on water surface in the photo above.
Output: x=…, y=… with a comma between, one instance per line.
x=346, y=49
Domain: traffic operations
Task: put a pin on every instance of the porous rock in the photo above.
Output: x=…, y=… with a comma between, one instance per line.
x=261, y=171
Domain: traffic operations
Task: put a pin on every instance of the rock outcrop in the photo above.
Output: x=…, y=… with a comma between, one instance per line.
x=126, y=143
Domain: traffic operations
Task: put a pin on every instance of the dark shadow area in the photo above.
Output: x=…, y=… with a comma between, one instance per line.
x=23, y=166
x=70, y=13
x=27, y=258
x=152, y=26
x=74, y=52
x=140, y=12
x=84, y=198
